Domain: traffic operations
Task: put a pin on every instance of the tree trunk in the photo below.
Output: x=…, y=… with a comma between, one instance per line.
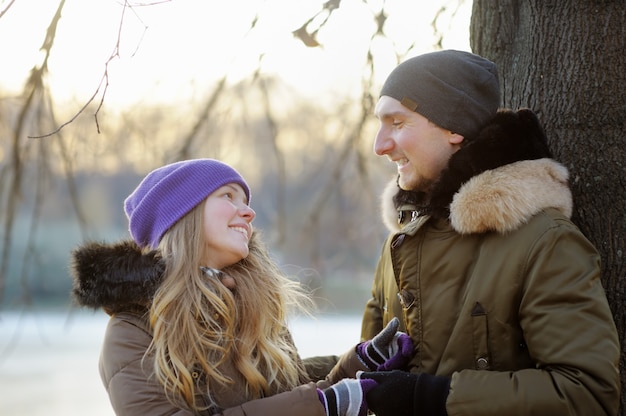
x=566, y=60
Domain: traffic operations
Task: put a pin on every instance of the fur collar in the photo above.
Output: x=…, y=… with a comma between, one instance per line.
x=116, y=276
x=495, y=182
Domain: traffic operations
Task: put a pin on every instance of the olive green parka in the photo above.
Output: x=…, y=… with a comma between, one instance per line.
x=498, y=289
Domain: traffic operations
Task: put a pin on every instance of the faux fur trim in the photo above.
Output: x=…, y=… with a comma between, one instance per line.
x=388, y=207
x=511, y=136
x=496, y=177
x=120, y=276
x=503, y=199
x=114, y=276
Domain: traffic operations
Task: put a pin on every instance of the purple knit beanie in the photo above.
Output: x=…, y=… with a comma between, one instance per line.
x=169, y=192
x=456, y=90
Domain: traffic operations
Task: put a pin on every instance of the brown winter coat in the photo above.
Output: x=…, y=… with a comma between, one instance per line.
x=133, y=392
x=120, y=279
x=502, y=293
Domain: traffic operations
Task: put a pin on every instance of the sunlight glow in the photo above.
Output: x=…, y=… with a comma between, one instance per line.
x=175, y=51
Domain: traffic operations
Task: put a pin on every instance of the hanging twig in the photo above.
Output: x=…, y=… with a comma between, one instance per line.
x=103, y=81
x=6, y=9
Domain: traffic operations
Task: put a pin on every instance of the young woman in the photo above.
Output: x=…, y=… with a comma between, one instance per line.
x=198, y=308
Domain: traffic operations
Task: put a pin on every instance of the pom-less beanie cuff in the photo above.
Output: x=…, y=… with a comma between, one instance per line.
x=456, y=90
x=166, y=194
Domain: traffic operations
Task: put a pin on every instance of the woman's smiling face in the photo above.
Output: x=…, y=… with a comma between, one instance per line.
x=227, y=226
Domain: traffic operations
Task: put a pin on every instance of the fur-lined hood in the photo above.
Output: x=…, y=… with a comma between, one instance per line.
x=119, y=276
x=115, y=276
x=495, y=182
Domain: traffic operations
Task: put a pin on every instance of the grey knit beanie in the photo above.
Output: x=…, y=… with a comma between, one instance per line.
x=456, y=90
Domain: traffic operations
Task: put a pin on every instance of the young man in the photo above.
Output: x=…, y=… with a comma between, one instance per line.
x=499, y=291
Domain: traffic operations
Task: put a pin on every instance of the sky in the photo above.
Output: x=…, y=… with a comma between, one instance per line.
x=173, y=51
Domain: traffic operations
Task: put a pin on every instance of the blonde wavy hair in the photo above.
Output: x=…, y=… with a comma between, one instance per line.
x=200, y=324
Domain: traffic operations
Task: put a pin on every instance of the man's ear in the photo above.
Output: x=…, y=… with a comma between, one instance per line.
x=455, y=138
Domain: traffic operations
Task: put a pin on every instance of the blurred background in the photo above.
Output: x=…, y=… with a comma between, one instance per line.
x=94, y=94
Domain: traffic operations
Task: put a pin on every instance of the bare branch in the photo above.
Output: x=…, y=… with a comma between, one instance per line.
x=439, y=34
x=307, y=36
x=203, y=118
x=6, y=9
x=280, y=163
x=34, y=86
x=104, y=79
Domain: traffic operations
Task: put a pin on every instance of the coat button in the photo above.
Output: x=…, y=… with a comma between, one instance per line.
x=482, y=363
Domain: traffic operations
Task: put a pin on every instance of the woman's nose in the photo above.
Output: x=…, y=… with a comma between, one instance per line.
x=247, y=213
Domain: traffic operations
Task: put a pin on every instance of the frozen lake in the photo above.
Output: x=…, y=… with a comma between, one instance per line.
x=49, y=360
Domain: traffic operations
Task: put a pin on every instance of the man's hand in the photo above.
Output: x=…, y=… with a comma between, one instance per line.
x=388, y=350
x=398, y=393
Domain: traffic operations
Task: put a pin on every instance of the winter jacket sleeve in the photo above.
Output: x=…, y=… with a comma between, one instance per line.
x=372, y=322
x=347, y=367
x=301, y=401
x=318, y=367
x=126, y=380
x=569, y=332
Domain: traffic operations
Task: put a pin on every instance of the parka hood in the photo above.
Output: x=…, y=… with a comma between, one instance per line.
x=119, y=276
x=495, y=182
x=116, y=276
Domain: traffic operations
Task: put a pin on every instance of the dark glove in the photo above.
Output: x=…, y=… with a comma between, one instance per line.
x=346, y=398
x=388, y=350
x=398, y=393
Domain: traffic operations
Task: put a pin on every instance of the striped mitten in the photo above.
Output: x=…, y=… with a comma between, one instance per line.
x=388, y=350
x=346, y=398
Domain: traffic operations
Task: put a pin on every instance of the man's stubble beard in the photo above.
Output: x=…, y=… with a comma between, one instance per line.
x=417, y=185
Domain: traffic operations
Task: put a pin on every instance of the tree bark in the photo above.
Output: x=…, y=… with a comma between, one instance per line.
x=566, y=60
